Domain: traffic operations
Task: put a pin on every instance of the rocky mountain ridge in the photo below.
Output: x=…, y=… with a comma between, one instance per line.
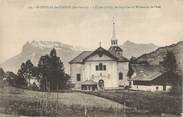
x=35, y=49
x=135, y=49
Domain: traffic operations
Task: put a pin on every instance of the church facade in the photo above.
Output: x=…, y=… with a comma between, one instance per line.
x=100, y=69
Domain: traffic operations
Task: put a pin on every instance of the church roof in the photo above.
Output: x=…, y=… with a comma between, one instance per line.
x=101, y=50
x=89, y=82
x=86, y=54
x=114, y=49
x=80, y=57
x=122, y=59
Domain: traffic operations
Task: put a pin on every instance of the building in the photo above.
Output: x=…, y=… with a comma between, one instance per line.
x=100, y=69
x=151, y=78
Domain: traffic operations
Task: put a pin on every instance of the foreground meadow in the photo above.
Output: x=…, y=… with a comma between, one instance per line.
x=14, y=101
x=145, y=102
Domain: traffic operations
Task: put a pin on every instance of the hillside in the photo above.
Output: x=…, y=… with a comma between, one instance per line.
x=35, y=49
x=155, y=57
x=135, y=49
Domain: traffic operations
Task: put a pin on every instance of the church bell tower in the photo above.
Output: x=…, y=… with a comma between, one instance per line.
x=114, y=41
x=114, y=48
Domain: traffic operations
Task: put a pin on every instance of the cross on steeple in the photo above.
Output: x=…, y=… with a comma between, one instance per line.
x=114, y=41
x=100, y=44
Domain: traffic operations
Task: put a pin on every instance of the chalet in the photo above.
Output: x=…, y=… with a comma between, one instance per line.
x=100, y=69
x=151, y=78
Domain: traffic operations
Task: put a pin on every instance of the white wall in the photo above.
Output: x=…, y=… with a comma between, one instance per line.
x=110, y=76
x=123, y=67
x=150, y=88
x=74, y=70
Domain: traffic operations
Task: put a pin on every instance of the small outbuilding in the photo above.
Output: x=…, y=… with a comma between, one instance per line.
x=89, y=85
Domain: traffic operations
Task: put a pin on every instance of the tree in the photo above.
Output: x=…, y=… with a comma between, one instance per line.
x=130, y=69
x=26, y=71
x=11, y=78
x=2, y=73
x=52, y=72
x=170, y=67
x=29, y=67
x=169, y=62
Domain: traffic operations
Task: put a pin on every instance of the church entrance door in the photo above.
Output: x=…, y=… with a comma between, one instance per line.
x=101, y=84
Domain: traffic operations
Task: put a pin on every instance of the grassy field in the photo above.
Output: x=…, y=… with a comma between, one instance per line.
x=26, y=102
x=68, y=98
x=145, y=102
x=16, y=101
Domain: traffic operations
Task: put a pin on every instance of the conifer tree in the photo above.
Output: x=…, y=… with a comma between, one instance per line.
x=169, y=62
x=171, y=68
x=52, y=71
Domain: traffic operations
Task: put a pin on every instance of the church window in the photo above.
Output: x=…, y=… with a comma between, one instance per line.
x=97, y=68
x=120, y=76
x=78, y=76
x=100, y=66
x=104, y=67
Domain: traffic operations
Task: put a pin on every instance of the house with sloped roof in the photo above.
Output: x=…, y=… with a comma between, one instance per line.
x=151, y=78
x=100, y=69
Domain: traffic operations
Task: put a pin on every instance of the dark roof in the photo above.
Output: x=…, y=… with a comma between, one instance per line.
x=146, y=72
x=122, y=59
x=80, y=57
x=101, y=50
x=114, y=50
x=89, y=82
x=86, y=54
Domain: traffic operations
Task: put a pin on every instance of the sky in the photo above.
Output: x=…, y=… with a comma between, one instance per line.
x=88, y=22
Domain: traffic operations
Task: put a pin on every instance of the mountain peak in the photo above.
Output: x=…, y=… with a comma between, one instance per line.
x=130, y=43
x=127, y=42
x=35, y=49
x=137, y=49
x=51, y=44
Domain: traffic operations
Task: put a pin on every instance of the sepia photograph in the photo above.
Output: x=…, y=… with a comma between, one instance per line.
x=91, y=58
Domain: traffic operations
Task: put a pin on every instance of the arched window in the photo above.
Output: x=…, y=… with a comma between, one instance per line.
x=100, y=66
x=120, y=76
x=78, y=77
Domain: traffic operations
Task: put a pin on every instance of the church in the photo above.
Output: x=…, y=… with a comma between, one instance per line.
x=100, y=69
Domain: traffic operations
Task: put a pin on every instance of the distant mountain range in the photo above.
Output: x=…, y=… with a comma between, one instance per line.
x=136, y=50
x=35, y=49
